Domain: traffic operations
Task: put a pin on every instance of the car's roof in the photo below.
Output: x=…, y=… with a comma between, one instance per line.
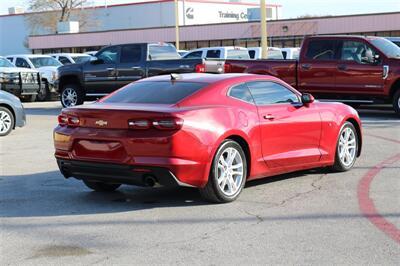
x=70, y=54
x=345, y=36
x=220, y=47
x=28, y=55
x=206, y=78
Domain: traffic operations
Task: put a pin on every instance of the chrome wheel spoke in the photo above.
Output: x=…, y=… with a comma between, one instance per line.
x=230, y=171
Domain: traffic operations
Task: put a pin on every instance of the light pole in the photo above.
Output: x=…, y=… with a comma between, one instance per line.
x=263, y=21
x=176, y=25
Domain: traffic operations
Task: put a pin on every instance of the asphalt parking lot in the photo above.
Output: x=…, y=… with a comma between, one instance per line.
x=311, y=217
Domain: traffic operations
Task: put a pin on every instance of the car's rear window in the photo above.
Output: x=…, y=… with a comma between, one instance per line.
x=155, y=92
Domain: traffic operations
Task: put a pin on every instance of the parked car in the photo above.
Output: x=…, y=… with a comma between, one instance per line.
x=291, y=52
x=12, y=113
x=46, y=65
x=117, y=65
x=238, y=127
x=71, y=58
x=354, y=69
x=395, y=40
x=22, y=82
x=272, y=53
x=225, y=52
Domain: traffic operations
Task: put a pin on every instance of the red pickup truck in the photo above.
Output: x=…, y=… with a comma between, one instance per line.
x=354, y=69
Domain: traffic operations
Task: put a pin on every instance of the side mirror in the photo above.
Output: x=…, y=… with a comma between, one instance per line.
x=307, y=98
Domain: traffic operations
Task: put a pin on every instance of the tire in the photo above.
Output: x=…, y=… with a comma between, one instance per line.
x=396, y=102
x=100, y=186
x=344, y=161
x=43, y=93
x=71, y=95
x=7, y=121
x=225, y=191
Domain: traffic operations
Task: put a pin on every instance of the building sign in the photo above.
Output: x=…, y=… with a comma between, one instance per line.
x=237, y=16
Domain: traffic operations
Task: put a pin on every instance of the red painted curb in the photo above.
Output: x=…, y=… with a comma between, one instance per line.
x=367, y=205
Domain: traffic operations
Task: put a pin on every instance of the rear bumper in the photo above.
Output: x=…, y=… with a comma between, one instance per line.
x=118, y=173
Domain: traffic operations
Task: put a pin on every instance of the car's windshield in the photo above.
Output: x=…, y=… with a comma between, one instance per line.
x=238, y=54
x=162, y=52
x=44, y=61
x=80, y=59
x=387, y=47
x=5, y=63
x=154, y=92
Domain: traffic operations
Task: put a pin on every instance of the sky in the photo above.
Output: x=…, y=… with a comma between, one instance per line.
x=290, y=8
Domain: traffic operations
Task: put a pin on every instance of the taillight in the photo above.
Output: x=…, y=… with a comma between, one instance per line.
x=227, y=68
x=200, y=68
x=139, y=124
x=161, y=123
x=62, y=120
x=168, y=123
x=73, y=121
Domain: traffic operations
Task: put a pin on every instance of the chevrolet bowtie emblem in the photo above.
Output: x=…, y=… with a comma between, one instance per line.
x=101, y=123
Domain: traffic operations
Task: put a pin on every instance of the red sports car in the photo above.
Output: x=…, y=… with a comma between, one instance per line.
x=212, y=132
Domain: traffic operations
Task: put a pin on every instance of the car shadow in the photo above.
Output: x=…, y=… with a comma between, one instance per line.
x=50, y=194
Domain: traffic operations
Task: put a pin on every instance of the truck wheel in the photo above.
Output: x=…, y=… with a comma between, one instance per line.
x=100, y=186
x=71, y=95
x=7, y=121
x=43, y=93
x=228, y=174
x=396, y=102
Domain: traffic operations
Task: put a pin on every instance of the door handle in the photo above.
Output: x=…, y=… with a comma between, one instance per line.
x=269, y=117
x=305, y=66
x=135, y=67
x=342, y=67
x=110, y=68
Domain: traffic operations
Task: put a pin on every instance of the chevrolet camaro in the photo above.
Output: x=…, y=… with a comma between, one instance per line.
x=212, y=132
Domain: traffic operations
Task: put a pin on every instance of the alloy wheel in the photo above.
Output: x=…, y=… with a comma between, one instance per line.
x=347, y=146
x=69, y=97
x=5, y=122
x=230, y=171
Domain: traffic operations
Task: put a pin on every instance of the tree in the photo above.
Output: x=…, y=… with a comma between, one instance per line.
x=47, y=13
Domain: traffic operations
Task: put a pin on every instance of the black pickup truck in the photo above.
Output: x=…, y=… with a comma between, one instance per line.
x=117, y=65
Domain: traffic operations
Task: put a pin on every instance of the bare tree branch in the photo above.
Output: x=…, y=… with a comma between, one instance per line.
x=47, y=13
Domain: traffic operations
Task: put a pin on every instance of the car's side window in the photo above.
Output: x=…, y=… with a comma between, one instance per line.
x=321, y=50
x=64, y=60
x=213, y=54
x=196, y=54
x=20, y=62
x=109, y=55
x=131, y=53
x=10, y=59
x=252, y=54
x=358, y=52
x=241, y=92
x=268, y=92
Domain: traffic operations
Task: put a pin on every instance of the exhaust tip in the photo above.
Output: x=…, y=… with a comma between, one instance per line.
x=149, y=180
